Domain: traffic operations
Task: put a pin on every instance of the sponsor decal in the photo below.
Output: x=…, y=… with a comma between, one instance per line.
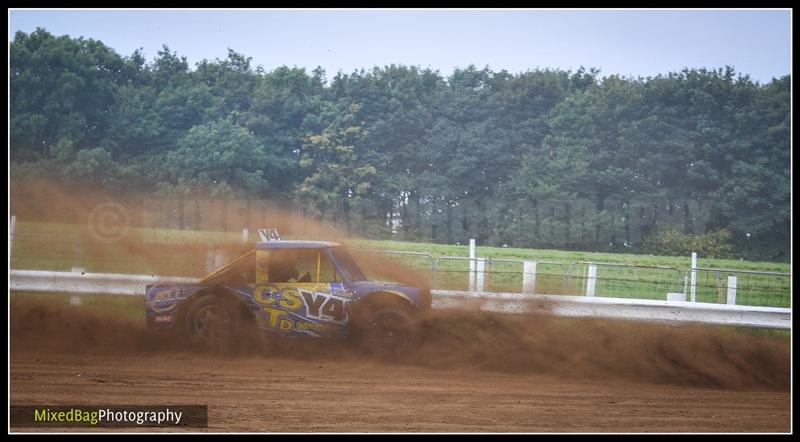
x=288, y=309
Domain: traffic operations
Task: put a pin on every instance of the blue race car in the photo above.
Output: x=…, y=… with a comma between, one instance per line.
x=292, y=289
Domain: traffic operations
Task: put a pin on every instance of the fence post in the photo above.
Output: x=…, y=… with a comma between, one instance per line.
x=590, y=280
x=76, y=299
x=693, y=286
x=731, y=290
x=472, y=265
x=11, y=226
x=214, y=260
x=480, y=275
x=529, y=277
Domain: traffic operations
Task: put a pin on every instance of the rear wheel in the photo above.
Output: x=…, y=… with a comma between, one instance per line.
x=209, y=318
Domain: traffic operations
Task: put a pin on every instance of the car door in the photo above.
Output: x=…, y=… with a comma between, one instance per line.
x=300, y=294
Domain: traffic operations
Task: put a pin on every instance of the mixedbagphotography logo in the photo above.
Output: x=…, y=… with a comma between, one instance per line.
x=61, y=416
x=109, y=222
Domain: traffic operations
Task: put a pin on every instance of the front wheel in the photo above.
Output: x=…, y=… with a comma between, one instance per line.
x=388, y=331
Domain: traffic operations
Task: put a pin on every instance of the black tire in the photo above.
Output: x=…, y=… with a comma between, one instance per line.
x=389, y=331
x=210, y=318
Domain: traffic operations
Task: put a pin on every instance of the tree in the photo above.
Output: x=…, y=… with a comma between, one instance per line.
x=334, y=177
x=406, y=153
x=59, y=92
x=217, y=159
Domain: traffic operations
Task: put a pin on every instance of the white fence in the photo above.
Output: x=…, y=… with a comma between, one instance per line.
x=580, y=306
x=616, y=280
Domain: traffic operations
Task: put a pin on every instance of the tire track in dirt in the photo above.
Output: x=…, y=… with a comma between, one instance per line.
x=283, y=394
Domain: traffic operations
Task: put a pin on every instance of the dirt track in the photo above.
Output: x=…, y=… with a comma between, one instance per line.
x=500, y=377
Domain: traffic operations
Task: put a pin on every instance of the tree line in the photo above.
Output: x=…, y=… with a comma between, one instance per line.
x=544, y=158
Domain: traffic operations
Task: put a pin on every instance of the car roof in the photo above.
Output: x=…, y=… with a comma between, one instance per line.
x=288, y=244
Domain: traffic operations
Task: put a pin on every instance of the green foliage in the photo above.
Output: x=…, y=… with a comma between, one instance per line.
x=219, y=159
x=334, y=174
x=400, y=152
x=61, y=89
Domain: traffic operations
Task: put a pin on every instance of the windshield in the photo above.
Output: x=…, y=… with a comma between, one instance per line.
x=347, y=265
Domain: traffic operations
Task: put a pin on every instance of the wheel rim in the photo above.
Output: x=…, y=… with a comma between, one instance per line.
x=391, y=330
x=208, y=320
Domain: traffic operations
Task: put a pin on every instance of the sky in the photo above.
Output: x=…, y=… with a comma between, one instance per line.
x=625, y=42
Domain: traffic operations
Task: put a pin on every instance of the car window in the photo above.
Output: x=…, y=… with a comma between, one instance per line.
x=282, y=266
x=300, y=266
x=327, y=272
x=307, y=266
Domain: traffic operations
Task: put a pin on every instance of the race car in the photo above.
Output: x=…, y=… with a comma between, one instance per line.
x=292, y=289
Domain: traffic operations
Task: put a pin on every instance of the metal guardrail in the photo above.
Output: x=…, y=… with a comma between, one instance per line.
x=580, y=306
x=428, y=256
x=628, y=309
x=451, y=271
x=622, y=280
x=748, y=287
x=617, y=280
x=489, y=275
x=87, y=283
x=517, y=275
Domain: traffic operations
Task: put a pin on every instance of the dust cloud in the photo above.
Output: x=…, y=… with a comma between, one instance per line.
x=563, y=348
x=690, y=355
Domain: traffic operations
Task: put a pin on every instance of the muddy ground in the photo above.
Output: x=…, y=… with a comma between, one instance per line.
x=474, y=372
